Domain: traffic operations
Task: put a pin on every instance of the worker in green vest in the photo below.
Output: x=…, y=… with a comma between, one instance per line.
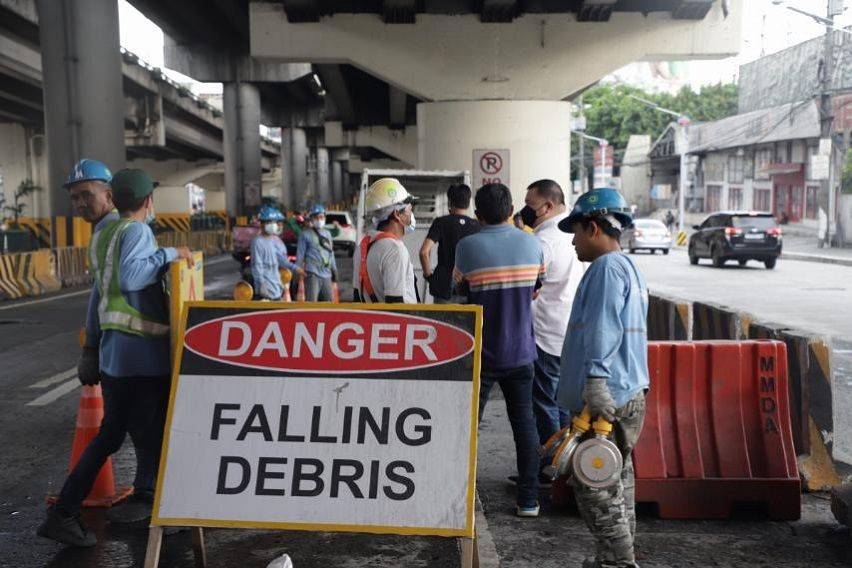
x=128, y=321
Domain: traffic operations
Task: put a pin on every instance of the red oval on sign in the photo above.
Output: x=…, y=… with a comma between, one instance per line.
x=328, y=341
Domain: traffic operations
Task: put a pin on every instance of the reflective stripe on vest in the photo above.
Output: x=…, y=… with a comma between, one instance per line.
x=114, y=312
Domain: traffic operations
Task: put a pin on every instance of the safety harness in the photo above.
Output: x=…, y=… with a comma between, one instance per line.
x=114, y=312
x=367, y=289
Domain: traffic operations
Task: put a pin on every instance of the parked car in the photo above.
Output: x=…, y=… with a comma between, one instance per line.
x=339, y=224
x=241, y=238
x=736, y=235
x=647, y=234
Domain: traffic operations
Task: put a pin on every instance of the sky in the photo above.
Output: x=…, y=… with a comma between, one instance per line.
x=767, y=28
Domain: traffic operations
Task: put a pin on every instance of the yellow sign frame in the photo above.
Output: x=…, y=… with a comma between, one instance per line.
x=466, y=532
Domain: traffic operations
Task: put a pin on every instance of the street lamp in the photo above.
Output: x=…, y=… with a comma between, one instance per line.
x=602, y=142
x=684, y=121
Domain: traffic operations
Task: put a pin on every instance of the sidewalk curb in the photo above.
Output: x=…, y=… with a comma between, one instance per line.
x=808, y=257
x=486, y=550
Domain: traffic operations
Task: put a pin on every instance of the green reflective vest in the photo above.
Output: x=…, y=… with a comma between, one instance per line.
x=114, y=312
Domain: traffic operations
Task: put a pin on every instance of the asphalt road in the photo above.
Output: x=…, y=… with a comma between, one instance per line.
x=38, y=400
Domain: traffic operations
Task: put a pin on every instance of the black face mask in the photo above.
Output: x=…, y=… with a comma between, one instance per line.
x=528, y=216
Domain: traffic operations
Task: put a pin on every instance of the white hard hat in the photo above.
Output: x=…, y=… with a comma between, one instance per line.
x=385, y=193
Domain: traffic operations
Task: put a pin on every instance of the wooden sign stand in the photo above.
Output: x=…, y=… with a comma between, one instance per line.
x=467, y=549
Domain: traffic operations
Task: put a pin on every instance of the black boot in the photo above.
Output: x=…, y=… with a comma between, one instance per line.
x=68, y=530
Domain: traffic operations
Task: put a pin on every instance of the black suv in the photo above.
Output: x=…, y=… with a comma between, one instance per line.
x=736, y=235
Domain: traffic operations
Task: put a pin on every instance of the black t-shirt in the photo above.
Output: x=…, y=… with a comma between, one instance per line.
x=447, y=231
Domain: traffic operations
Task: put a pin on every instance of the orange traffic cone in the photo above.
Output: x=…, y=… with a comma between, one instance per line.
x=104, y=493
x=300, y=292
x=335, y=293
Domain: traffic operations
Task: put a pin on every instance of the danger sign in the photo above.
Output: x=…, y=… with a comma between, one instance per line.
x=490, y=166
x=345, y=418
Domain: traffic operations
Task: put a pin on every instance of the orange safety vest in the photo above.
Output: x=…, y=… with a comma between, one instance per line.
x=367, y=286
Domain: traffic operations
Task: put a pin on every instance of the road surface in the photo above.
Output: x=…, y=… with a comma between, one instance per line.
x=38, y=402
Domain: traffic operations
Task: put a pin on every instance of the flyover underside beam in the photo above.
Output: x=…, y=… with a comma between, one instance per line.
x=335, y=83
x=83, y=99
x=398, y=104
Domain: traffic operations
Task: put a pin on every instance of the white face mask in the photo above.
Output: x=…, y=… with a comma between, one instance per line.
x=318, y=223
x=412, y=225
x=272, y=228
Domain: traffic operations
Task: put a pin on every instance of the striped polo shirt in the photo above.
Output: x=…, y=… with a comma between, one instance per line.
x=501, y=265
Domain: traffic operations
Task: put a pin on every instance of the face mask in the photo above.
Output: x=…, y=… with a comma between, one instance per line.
x=412, y=225
x=529, y=216
x=272, y=228
x=318, y=223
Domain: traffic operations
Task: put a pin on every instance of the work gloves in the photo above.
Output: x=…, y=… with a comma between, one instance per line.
x=599, y=399
x=88, y=367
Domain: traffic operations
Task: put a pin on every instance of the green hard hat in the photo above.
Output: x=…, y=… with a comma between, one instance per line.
x=133, y=183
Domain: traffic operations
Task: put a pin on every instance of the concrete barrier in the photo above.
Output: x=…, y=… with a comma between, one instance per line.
x=72, y=267
x=669, y=319
x=9, y=289
x=44, y=271
x=712, y=321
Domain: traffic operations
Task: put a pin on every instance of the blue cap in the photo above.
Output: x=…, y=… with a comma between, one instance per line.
x=88, y=170
x=317, y=209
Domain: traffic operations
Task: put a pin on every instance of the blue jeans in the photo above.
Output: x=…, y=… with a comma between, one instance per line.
x=516, y=385
x=549, y=418
x=135, y=405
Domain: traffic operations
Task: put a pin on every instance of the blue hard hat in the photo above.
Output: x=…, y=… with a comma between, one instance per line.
x=270, y=213
x=88, y=170
x=598, y=203
x=317, y=209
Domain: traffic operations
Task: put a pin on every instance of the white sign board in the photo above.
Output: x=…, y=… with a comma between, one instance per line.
x=490, y=166
x=335, y=419
x=819, y=166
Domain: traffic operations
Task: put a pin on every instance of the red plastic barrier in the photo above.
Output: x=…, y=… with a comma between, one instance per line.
x=717, y=431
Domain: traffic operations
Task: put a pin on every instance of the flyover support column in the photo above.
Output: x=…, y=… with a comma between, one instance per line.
x=534, y=138
x=294, y=155
x=336, y=181
x=241, y=102
x=323, y=187
x=82, y=82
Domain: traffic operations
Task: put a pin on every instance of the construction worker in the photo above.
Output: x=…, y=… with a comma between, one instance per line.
x=383, y=265
x=89, y=187
x=446, y=232
x=544, y=209
x=130, y=324
x=269, y=256
x=605, y=365
x=501, y=267
x=315, y=255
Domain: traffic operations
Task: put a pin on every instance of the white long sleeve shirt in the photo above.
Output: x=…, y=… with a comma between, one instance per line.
x=563, y=272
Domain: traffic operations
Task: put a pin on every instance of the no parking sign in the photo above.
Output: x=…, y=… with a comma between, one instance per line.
x=490, y=166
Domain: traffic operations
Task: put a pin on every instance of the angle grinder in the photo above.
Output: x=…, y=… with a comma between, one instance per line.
x=597, y=461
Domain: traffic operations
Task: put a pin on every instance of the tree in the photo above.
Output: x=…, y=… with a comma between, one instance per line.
x=27, y=187
x=613, y=115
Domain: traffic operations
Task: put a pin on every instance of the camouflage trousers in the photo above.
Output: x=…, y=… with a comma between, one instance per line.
x=610, y=513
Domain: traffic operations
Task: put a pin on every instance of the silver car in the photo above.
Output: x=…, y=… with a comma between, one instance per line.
x=647, y=234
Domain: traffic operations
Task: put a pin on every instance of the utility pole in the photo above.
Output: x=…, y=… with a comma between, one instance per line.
x=582, y=123
x=683, y=178
x=835, y=8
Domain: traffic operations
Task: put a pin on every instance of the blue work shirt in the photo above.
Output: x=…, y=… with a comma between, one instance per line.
x=607, y=336
x=140, y=272
x=311, y=255
x=268, y=255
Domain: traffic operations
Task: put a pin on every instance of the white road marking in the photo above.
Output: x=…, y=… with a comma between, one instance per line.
x=57, y=378
x=55, y=393
x=43, y=300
